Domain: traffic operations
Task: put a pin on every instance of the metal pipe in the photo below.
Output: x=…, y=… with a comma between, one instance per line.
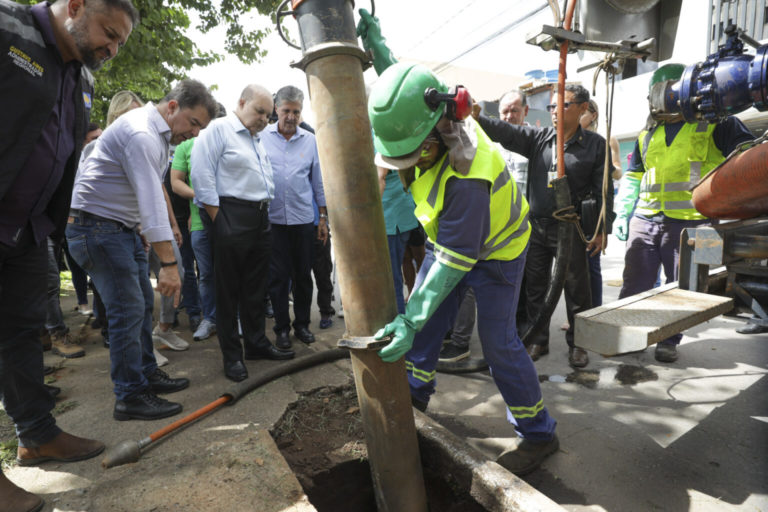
x=332, y=62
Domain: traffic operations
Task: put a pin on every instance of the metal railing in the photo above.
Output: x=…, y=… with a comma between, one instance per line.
x=748, y=15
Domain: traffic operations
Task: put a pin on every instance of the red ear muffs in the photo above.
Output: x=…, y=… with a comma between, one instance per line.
x=458, y=102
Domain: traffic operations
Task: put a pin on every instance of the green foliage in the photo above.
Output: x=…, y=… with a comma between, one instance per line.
x=159, y=53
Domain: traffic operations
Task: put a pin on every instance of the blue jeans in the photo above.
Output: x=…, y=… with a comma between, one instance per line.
x=397, y=245
x=201, y=245
x=114, y=257
x=23, y=271
x=190, y=299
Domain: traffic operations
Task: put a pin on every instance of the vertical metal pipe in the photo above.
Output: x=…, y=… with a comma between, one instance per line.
x=334, y=72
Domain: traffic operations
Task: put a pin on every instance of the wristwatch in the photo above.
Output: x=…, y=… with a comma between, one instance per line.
x=168, y=263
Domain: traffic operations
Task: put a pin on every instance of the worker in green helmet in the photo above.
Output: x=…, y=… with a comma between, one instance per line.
x=670, y=156
x=476, y=221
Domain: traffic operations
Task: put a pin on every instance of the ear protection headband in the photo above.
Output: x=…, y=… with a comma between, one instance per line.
x=458, y=102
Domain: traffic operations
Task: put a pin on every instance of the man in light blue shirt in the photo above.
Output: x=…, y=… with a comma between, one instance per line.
x=232, y=178
x=296, y=166
x=118, y=192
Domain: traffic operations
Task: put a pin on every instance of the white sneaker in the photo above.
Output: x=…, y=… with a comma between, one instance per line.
x=205, y=330
x=160, y=358
x=169, y=338
x=340, y=314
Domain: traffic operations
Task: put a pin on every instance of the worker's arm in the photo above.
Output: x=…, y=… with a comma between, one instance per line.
x=464, y=224
x=616, y=158
x=369, y=31
x=179, y=184
x=629, y=189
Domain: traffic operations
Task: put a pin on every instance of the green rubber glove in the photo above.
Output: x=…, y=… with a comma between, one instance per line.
x=370, y=31
x=438, y=283
x=629, y=189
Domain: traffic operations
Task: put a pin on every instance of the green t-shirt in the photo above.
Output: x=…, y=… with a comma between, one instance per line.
x=181, y=163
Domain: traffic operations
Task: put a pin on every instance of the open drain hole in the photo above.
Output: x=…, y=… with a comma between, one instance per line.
x=321, y=437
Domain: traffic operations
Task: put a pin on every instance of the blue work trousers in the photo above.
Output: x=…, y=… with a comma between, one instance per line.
x=651, y=245
x=497, y=288
x=114, y=258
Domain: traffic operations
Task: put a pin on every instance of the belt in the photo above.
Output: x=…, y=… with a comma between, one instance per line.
x=259, y=205
x=77, y=217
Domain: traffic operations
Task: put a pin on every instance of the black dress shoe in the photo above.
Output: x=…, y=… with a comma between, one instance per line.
x=577, y=357
x=536, y=351
x=160, y=382
x=54, y=391
x=47, y=370
x=236, y=371
x=283, y=341
x=145, y=406
x=304, y=335
x=269, y=352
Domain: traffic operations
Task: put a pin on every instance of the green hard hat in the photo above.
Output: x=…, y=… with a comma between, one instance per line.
x=666, y=72
x=400, y=117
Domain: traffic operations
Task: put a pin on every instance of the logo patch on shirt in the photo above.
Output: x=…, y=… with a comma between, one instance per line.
x=25, y=62
x=87, y=100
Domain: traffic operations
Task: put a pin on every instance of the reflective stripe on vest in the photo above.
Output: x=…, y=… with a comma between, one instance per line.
x=671, y=171
x=509, y=230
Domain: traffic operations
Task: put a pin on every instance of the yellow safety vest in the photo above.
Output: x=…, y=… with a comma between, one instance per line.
x=509, y=231
x=671, y=171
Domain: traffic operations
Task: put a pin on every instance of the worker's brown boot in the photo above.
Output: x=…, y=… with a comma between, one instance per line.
x=64, y=346
x=16, y=499
x=45, y=340
x=527, y=455
x=63, y=448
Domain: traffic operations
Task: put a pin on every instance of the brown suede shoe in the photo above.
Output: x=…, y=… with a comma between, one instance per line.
x=536, y=351
x=64, y=346
x=45, y=340
x=63, y=448
x=16, y=499
x=527, y=455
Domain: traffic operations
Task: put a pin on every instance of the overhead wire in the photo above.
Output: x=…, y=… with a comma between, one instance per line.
x=491, y=37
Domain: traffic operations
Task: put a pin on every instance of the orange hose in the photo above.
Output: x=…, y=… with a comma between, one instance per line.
x=561, y=74
x=736, y=190
x=154, y=436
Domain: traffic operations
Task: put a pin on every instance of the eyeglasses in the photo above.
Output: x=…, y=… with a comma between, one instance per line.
x=553, y=106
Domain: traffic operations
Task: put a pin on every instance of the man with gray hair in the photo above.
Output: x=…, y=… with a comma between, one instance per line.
x=232, y=178
x=46, y=51
x=296, y=166
x=118, y=194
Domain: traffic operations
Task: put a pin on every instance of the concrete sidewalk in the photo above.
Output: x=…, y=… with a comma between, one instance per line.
x=692, y=435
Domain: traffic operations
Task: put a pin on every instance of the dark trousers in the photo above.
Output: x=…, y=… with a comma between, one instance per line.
x=538, y=270
x=242, y=244
x=322, y=267
x=190, y=298
x=79, y=277
x=291, y=262
x=23, y=271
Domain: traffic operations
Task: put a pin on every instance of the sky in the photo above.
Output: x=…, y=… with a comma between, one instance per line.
x=428, y=30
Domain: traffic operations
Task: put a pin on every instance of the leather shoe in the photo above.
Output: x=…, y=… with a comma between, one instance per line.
x=577, y=357
x=145, y=406
x=304, y=335
x=63, y=448
x=16, y=498
x=752, y=329
x=54, y=391
x=527, y=455
x=160, y=382
x=269, y=352
x=536, y=351
x=665, y=353
x=283, y=341
x=235, y=371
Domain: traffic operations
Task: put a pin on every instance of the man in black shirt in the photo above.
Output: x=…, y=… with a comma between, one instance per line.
x=584, y=163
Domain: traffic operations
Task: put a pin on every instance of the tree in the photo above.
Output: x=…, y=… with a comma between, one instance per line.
x=159, y=53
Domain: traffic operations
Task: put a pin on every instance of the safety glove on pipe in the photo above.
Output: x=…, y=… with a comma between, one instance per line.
x=629, y=189
x=424, y=301
x=369, y=30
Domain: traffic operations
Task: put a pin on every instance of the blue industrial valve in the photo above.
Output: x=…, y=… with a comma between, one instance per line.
x=727, y=83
